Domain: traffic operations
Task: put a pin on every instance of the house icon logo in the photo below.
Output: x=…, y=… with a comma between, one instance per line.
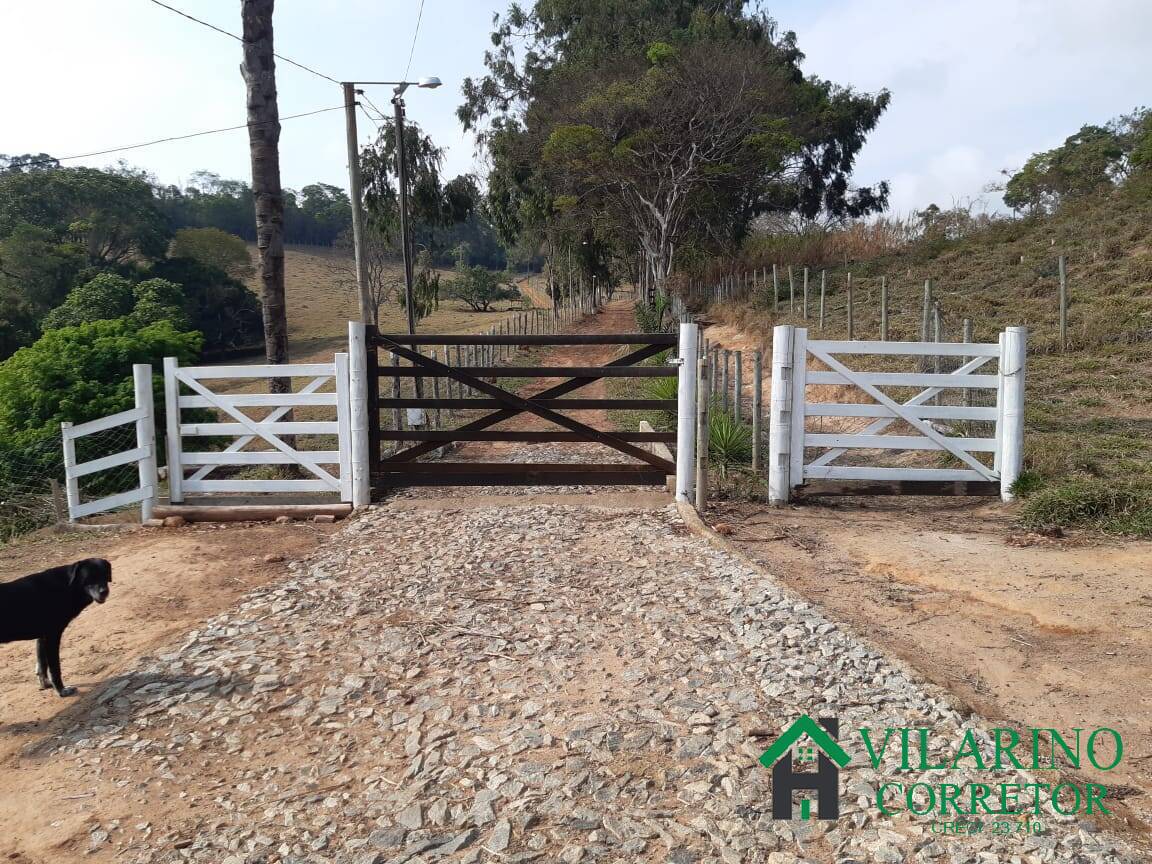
x=821, y=747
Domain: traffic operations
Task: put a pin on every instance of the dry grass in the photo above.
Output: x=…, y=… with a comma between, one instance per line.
x=320, y=305
x=1089, y=409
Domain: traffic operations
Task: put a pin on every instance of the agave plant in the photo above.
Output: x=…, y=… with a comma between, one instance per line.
x=663, y=388
x=729, y=443
x=655, y=317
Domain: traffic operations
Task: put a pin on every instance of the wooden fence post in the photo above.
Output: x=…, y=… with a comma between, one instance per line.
x=737, y=384
x=851, y=317
x=804, y=306
x=791, y=292
x=780, y=417
x=703, y=400
x=926, y=312
x=1062, y=265
x=883, y=309
x=775, y=290
x=724, y=380
x=823, y=286
x=757, y=409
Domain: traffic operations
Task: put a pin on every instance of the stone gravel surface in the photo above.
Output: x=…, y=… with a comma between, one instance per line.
x=544, y=683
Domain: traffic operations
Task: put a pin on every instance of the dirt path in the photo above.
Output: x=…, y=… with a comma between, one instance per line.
x=165, y=582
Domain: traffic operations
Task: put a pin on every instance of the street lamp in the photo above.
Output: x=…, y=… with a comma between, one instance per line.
x=356, y=191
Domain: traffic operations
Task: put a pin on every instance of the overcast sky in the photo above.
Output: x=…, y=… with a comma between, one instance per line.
x=977, y=85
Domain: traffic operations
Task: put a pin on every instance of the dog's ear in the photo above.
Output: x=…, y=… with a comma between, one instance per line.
x=74, y=572
x=105, y=568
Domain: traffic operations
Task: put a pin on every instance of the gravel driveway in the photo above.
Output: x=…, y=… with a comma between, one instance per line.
x=541, y=683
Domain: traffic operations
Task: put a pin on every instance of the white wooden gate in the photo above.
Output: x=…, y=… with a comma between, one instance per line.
x=792, y=440
x=259, y=440
x=143, y=455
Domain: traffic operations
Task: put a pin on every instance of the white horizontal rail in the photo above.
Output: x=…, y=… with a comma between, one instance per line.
x=106, y=462
x=309, y=427
x=840, y=472
x=243, y=441
x=897, y=442
x=906, y=379
x=111, y=502
x=260, y=457
x=260, y=400
x=261, y=486
x=938, y=349
x=925, y=412
x=104, y=423
x=288, y=370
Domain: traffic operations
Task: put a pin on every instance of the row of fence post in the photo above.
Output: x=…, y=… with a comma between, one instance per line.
x=748, y=283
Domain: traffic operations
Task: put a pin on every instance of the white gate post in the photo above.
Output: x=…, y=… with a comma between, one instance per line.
x=1012, y=364
x=146, y=437
x=780, y=417
x=358, y=396
x=172, y=424
x=343, y=426
x=686, y=410
x=71, y=481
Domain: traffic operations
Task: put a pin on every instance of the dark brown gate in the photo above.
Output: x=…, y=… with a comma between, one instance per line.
x=475, y=388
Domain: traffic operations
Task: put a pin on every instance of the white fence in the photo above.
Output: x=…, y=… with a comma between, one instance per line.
x=143, y=455
x=259, y=441
x=791, y=439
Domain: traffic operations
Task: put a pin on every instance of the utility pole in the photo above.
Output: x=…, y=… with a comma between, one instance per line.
x=405, y=240
x=259, y=71
x=356, y=193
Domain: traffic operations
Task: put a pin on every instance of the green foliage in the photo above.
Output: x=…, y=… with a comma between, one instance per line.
x=80, y=373
x=425, y=288
x=668, y=126
x=1095, y=157
x=35, y=274
x=655, y=317
x=662, y=388
x=1115, y=508
x=225, y=310
x=106, y=297
x=112, y=217
x=729, y=443
x=214, y=248
x=109, y=296
x=479, y=288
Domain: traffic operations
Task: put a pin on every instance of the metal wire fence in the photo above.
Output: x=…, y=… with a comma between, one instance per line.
x=32, y=486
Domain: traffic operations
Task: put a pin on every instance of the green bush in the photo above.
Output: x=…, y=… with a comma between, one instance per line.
x=480, y=288
x=1115, y=508
x=729, y=443
x=79, y=374
x=655, y=317
x=214, y=248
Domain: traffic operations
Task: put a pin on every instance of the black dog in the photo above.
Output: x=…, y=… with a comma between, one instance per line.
x=41, y=605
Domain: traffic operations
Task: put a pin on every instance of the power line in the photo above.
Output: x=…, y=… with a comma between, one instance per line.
x=175, y=138
x=364, y=96
x=241, y=40
x=412, y=50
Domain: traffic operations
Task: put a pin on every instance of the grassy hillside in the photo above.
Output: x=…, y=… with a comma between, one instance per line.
x=1089, y=410
x=320, y=290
